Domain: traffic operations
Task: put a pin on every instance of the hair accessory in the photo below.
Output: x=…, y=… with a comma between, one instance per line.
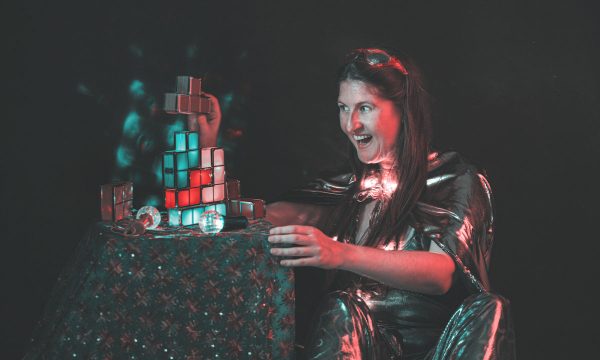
x=377, y=58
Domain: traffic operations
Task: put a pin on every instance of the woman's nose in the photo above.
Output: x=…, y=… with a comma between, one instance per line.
x=353, y=122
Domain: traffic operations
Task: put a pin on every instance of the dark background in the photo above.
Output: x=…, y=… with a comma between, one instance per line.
x=516, y=88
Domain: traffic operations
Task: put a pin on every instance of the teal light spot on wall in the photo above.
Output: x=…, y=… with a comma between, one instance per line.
x=136, y=50
x=177, y=125
x=153, y=200
x=136, y=89
x=83, y=89
x=124, y=156
x=226, y=101
x=131, y=126
x=157, y=171
x=192, y=51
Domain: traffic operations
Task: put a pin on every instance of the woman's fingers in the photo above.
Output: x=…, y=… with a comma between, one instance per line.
x=292, y=229
x=293, y=251
x=306, y=261
x=290, y=239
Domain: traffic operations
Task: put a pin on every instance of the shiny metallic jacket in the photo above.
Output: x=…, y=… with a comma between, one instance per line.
x=363, y=319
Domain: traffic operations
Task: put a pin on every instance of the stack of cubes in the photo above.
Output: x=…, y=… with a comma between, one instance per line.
x=194, y=180
x=194, y=177
x=116, y=200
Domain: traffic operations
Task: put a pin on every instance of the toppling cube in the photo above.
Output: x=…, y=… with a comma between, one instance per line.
x=189, y=85
x=250, y=208
x=186, y=140
x=116, y=200
x=177, y=103
x=187, y=104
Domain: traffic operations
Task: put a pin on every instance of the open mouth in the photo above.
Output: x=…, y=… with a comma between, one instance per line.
x=362, y=139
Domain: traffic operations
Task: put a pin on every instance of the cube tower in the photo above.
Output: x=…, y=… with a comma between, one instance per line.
x=193, y=178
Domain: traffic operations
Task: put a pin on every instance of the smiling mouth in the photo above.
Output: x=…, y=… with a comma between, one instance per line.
x=362, y=139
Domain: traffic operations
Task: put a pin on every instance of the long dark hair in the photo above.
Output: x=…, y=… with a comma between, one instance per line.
x=399, y=80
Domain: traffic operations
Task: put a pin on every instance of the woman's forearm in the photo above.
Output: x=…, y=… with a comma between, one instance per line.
x=420, y=271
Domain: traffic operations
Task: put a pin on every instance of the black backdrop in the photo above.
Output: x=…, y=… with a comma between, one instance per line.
x=516, y=89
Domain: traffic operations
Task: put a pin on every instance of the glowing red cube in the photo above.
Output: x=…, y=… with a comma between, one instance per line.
x=206, y=176
x=170, y=199
x=195, y=177
x=195, y=196
x=183, y=198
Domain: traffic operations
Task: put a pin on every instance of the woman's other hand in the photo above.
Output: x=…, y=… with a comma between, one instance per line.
x=310, y=247
x=207, y=125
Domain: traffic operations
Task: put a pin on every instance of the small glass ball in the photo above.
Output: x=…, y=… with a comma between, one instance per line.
x=211, y=222
x=153, y=214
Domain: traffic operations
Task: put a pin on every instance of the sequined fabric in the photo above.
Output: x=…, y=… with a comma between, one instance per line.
x=181, y=295
x=468, y=322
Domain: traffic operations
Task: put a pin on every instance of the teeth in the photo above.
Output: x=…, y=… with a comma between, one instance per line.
x=360, y=137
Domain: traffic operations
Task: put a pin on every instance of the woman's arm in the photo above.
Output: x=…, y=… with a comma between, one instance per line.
x=419, y=271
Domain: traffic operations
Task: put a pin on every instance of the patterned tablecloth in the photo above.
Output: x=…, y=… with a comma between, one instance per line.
x=170, y=295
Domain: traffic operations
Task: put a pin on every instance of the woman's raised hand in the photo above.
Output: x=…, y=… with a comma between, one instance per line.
x=207, y=125
x=311, y=247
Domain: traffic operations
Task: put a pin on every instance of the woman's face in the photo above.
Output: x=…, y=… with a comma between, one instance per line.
x=371, y=122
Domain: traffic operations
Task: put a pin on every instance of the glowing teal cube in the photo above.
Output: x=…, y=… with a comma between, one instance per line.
x=187, y=217
x=175, y=169
x=221, y=209
x=193, y=158
x=182, y=179
x=182, y=160
x=174, y=217
x=169, y=179
x=186, y=140
x=197, y=212
x=168, y=160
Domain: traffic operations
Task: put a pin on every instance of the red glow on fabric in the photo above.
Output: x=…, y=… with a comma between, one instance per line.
x=489, y=351
x=169, y=199
x=195, y=196
x=183, y=198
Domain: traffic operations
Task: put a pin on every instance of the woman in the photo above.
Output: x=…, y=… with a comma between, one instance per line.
x=409, y=238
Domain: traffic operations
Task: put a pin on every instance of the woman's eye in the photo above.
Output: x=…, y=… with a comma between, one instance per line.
x=342, y=107
x=365, y=108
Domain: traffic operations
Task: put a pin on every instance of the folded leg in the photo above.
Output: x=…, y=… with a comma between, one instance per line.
x=345, y=330
x=481, y=328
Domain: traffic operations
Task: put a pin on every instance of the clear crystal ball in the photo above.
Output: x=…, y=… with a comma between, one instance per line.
x=152, y=213
x=211, y=222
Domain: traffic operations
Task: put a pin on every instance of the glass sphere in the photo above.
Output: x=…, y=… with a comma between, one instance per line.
x=151, y=213
x=211, y=222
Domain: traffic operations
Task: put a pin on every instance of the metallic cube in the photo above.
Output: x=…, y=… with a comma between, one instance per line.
x=187, y=104
x=177, y=103
x=189, y=85
x=250, y=208
x=233, y=189
x=116, y=200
